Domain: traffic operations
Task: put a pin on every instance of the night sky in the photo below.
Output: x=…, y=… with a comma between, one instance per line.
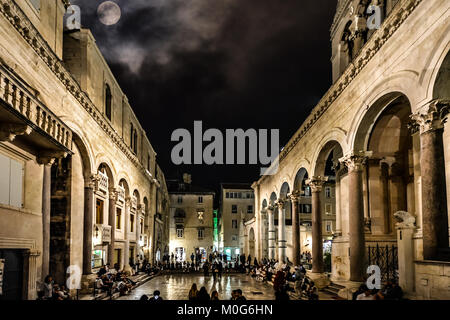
x=260, y=64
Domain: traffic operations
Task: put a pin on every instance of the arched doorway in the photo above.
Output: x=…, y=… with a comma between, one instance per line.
x=388, y=180
x=326, y=201
x=301, y=218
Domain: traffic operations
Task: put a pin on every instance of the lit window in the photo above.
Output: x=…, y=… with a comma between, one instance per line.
x=200, y=215
x=200, y=199
x=99, y=212
x=180, y=233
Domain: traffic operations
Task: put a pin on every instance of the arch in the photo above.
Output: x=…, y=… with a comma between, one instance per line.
x=123, y=183
x=137, y=195
x=367, y=123
x=85, y=158
x=300, y=177
x=284, y=191
x=329, y=155
x=264, y=204
x=273, y=199
x=106, y=169
x=441, y=88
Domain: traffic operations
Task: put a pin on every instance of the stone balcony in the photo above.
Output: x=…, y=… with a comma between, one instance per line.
x=26, y=121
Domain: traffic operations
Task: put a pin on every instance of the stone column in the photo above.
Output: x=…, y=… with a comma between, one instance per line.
x=88, y=225
x=432, y=165
x=112, y=220
x=281, y=231
x=46, y=205
x=271, y=232
x=295, y=229
x=126, y=254
x=355, y=164
x=316, y=184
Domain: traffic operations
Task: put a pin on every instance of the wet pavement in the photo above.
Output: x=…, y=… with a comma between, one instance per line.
x=177, y=286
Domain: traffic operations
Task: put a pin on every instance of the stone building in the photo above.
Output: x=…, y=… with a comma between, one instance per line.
x=382, y=125
x=191, y=219
x=236, y=215
x=78, y=174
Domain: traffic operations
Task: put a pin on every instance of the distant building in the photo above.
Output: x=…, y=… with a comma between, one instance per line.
x=191, y=219
x=237, y=213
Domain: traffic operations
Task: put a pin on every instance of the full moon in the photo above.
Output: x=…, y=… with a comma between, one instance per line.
x=109, y=13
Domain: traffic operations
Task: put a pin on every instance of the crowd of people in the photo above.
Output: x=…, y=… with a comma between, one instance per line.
x=390, y=291
x=53, y=291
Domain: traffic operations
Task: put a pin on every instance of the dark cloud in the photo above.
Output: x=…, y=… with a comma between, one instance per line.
x=231, y=63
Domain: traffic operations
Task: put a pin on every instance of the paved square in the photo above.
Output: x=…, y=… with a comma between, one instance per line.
x=177, y=286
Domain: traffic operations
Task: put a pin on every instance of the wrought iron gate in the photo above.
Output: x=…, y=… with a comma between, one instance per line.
x=386, y=258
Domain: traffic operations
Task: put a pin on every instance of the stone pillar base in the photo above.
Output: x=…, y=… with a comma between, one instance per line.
x=320, y=279
x=87, y=283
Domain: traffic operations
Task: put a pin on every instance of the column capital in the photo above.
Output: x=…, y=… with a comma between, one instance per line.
x=280, y=203
x=355, y=161
x=270, y=208
x=316, y=183
x=92, y=181
x=294, y=196
x=113, y=194
x=432, y=119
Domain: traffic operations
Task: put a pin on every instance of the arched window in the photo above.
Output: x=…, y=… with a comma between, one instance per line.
x=108, y=102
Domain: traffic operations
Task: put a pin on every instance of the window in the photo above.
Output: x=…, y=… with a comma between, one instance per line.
x=200, y=199
x=234, y=224
x=11, y=181
x=305, y=208
x=307, y=192
x=328, y=192
x=227, y=195
x=180, y=199
x=234, y=237
x=250, y=209
x=200, y=215
x=135, y=141
x=118, y=219
x=99, y=212
x=131, y=135
x=180, y=232
x=141, y=224
x=131, y=222
x=117, y=256
x=200, y=233
x=234, y=208
x=329, y=226
x=108, y=102
x=328, y=208
x=148, y=163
